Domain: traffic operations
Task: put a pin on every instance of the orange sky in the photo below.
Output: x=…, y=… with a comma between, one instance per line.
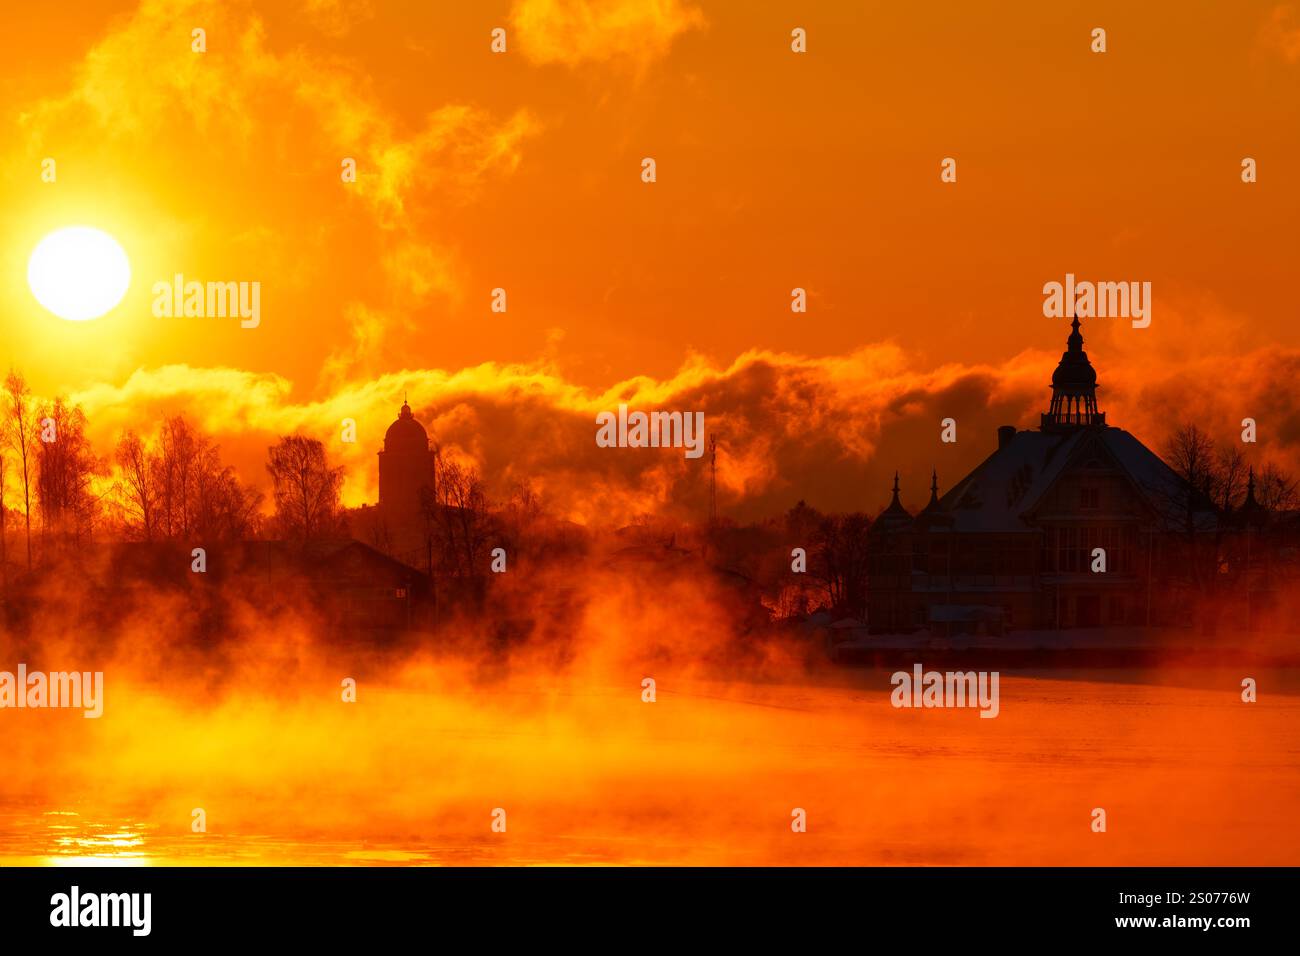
x=775, y=170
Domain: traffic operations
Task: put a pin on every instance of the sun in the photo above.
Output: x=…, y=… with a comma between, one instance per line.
x=79, y=272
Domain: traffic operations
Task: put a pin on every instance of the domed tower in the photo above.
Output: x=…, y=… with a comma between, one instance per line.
x=889, y=569
x=405, y=467
x=1074, y=388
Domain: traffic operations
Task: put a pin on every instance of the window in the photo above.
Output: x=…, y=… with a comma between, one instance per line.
x=1115, y=610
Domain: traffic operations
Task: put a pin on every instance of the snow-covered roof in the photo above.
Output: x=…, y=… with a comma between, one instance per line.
x=1001, y=492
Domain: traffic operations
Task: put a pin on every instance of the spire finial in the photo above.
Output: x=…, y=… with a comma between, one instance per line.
x=1075, y=341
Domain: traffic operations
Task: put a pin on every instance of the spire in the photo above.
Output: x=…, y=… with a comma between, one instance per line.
x=934, y=493
x=1251, y=511
x=1251, y=503
x=895, y=517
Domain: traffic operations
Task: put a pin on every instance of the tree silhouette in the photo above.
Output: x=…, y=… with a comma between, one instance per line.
x=306, y=488
x=20, y=434
x=66, y=465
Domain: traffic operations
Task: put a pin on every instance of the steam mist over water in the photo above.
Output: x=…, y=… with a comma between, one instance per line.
x=250, y=726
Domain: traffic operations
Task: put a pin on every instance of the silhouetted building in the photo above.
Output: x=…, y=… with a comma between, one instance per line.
x=406, y=469
x=889, y=568
x=398, y=525
x=356, y=591
x=1012, y=544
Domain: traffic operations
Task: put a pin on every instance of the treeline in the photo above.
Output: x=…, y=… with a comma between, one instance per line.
x=1219, y=474
x=47, y=470
x=831, y=572
x=170, y=484
x=1211, y=506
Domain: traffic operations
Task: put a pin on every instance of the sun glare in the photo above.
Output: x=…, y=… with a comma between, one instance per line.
x=79, y=273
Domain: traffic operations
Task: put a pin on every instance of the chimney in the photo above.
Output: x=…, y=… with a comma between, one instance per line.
x=1005, y=434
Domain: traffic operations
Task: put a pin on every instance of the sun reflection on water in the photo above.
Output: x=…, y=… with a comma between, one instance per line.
x=70, y=840
x=592, y=785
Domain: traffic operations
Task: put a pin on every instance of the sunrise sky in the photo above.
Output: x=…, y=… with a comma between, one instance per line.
x=775, y=170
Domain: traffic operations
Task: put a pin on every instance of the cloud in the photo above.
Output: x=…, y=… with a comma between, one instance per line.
x=789, y=426
x=1281, y=32
x=264, y=123
x=830, y=430
x=143, y=79
x=335, y=18
x=600, y=31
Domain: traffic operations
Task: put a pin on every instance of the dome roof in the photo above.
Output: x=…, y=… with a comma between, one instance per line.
x=406, y=434
x=1075, y=373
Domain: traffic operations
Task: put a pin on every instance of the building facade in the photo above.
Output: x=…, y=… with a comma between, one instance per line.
x=1015, y=544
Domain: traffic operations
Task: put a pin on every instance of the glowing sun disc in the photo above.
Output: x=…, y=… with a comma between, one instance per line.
x=78, y=273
